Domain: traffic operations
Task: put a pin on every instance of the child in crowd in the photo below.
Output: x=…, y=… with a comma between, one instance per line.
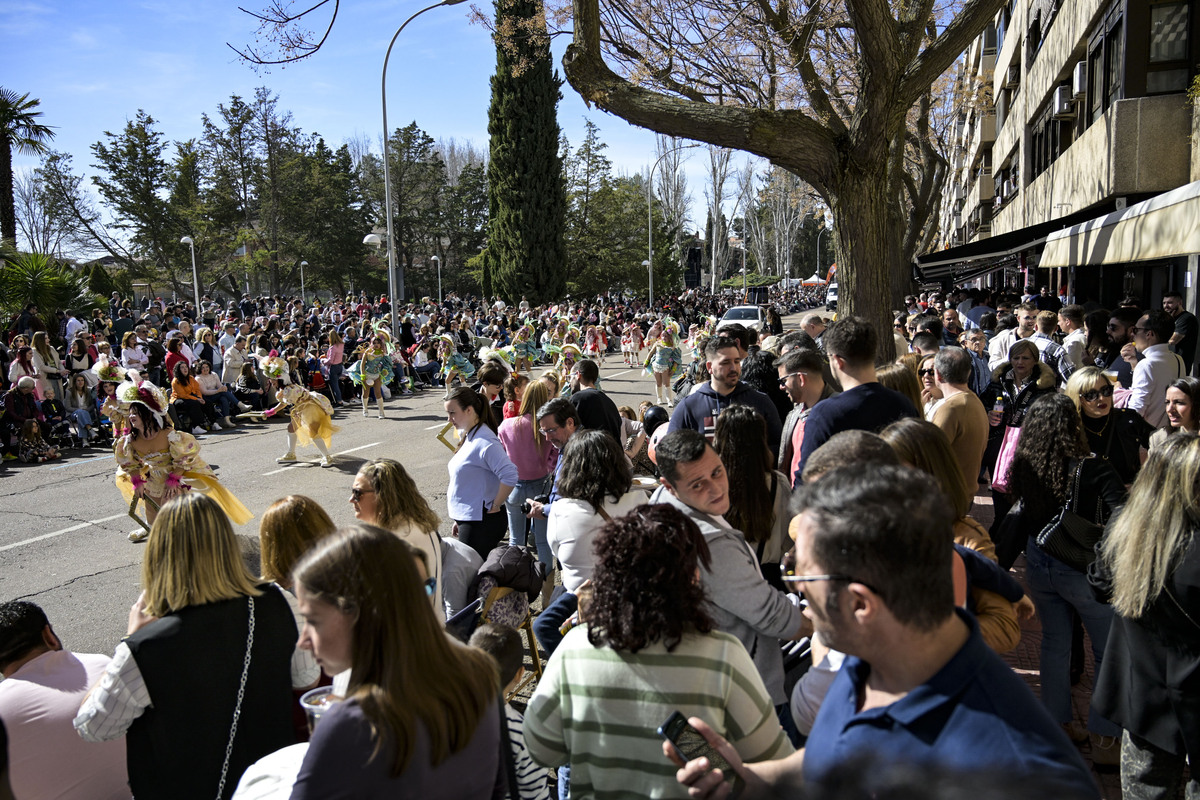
x=55, y=413
x=504, y=645
x=34, y=449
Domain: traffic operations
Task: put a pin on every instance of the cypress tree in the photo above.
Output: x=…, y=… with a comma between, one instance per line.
x=526, y=255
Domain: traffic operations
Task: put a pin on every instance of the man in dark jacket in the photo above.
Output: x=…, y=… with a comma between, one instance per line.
x=596, y=409
x=700, y=409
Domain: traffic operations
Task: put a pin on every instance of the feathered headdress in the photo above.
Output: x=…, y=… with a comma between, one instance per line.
x=504, y=355
x=106, y=371
x=146, y=394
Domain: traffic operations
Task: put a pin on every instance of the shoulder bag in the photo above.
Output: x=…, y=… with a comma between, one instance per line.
x=237, y=709
x=1070, y=537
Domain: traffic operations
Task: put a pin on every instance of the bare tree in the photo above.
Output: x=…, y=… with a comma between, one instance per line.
x=718, y=225
x=672, y=190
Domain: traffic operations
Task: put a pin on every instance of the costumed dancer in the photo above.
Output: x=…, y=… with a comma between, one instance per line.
x=274, y=369
x=694, y=341
x=627, y=350
x=639, y=341
x=664, y=361
x=372, y=370
x=454, y=363
x=524, y=348
x=311, y=421
x=155, y=462
x=568, y=357
x=108, y=377
x=594, y=344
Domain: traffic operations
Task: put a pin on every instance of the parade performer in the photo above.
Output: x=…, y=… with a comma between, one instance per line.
x=108, y=376
x=372, y=370
x=155, y=462
x=594, y=344
x=274, y=368
x=627, y=349
x=568, y=357
x=311, y=421
x=524, y=348
x=454, y=363
x=664, y=361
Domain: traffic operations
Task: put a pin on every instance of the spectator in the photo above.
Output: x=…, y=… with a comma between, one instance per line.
x=420, y=708
x=49, y=367
x=385, y=495
x=1183, y=411
x=871, y=556
x=42, y=688
x=596, y=409
x=960, y=415
x=699, y=410
x=1155, y=365
x=535, y=458
x=1150, y=571
x=248, y=390
x=802, y=375
x=851, y=344
x=514, y=390
x=334, y=359
x=81, y=405
x=1187, y=332
x=1051, y=352
x=1070, y=322
x=594, y=486
x=1117, y=435
x=217, y=398
x=188, y=400
x=481, y=474
x=187, y=640
x=741, y=602
x=758, y=499
x=504, y=645
x=650, y=634
x=1000, y=346
x=1050, y=468
x=814, y=325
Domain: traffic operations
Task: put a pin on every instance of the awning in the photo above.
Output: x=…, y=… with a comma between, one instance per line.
x=966, y=261
x=1165, y=226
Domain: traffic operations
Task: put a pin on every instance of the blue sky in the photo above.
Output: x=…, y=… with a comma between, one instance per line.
x=94, y=63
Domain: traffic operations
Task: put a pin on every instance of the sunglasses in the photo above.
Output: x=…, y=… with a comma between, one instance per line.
x=1095, y=394
x=783, y=381
x=925, y=373
x=832, y=576
x=356, y=494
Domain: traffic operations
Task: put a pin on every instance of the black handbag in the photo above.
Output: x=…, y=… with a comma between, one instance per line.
x=1069, y=537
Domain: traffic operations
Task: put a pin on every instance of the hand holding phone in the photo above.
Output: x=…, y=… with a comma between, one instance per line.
x=690, y=744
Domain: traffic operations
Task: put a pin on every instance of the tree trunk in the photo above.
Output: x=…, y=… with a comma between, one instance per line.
x=867, y=246
x=8, y=213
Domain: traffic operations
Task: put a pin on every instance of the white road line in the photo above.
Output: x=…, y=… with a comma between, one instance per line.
x=84, y=461
x=435, y=427
x=616, y=374
x=78, y=527
x=298, y=463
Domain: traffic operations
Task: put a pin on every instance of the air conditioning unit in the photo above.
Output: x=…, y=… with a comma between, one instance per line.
x=1079, y=79
x=1013, y=78
x=1064, y=105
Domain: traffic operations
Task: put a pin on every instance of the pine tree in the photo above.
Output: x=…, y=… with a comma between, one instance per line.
x=525, y=255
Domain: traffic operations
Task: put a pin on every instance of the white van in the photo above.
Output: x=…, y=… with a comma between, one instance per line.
x=831, y=297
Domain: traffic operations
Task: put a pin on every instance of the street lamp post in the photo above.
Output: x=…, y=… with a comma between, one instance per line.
x=650, y=216
x=819, y=233
x=438, y=261
x=397, y=296
x=195, y=276
x=303, y=264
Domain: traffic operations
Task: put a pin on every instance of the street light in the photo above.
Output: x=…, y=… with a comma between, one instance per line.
x=819, y=234
x=303, y=264
x=195, y=276
x=439, y=268
x=650, y=214
x=387, y=180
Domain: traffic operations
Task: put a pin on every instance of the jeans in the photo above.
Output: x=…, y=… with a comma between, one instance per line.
x=527, y=490
x=1057, y=588
x=224, y=403
x=82, y=420
x=335, y=381
x=429, y=371
x=546, y=624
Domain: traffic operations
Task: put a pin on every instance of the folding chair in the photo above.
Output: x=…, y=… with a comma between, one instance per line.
x=504, y=606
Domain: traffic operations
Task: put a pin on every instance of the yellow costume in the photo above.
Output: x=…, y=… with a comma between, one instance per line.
x=164, y=474
x=311, y=414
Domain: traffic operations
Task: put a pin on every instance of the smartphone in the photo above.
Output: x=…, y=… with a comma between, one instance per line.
x=690, y=744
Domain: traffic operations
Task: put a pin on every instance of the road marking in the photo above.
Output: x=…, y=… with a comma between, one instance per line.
x=78, y=527
x=435, y=427
x=617, y=374
x=85, y=461
x=298, y=463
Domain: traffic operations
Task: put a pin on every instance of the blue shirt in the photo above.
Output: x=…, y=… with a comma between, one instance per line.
x=476, y=472
x=974, y=714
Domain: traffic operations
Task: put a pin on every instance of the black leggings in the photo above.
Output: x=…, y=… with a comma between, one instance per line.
x=483, y=535
x=195, y=413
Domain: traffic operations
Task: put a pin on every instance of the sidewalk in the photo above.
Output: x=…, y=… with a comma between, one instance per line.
x=1025, y=660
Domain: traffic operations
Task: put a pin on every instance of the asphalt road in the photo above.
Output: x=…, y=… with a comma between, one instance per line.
x=64, y=543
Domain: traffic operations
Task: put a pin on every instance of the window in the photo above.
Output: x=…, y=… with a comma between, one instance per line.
x=1114, y=61
x=1167, y=70
x=1095, y=89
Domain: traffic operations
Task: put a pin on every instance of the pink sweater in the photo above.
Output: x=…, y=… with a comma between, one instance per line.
x=516, y=434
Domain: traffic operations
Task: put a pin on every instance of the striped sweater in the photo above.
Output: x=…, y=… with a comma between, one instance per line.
x=599, y=710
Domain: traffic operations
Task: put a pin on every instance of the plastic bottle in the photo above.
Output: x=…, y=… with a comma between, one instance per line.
x=998, y=408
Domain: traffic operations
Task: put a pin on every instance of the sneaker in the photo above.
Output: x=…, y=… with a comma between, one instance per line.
x=140, y=535
x=9, y=457
x=327, y=462
x=198, y=431
x=244, y=407
x=286, y=458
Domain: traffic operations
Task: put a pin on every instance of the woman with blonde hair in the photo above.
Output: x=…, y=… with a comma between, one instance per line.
x=384, y=494
x=288, y=529
x=1149, y=683
x=903, y=380
x=201, y=685
x=421, y=714
x=1117, y=435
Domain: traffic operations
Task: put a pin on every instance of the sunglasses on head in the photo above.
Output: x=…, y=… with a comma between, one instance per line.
x=1093, y=395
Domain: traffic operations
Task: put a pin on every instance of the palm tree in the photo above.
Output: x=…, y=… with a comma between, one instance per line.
x=20, y=131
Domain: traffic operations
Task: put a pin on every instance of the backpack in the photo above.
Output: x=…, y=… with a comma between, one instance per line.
x=156, y=355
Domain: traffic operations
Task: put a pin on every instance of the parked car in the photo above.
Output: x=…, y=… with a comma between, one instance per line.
x=831, y=297
x=750, y=316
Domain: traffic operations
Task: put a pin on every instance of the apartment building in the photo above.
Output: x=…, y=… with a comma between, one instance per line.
x=1073, y=160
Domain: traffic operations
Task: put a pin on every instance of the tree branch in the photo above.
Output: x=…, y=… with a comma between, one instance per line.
x=955, y=39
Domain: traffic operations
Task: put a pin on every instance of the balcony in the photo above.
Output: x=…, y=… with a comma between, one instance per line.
x=1139, y=146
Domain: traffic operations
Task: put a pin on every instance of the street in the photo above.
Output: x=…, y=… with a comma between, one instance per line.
x=65, y=545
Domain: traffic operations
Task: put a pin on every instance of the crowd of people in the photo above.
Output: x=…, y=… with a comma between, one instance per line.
x=783, y=487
